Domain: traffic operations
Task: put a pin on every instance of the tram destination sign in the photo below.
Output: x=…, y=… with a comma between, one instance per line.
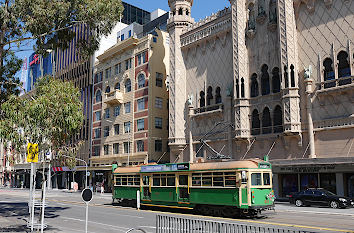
x=166, y=167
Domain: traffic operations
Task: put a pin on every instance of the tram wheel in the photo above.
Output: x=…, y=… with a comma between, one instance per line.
x=228, y=212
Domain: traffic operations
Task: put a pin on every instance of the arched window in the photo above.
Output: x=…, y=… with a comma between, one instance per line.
x=292, y=75
x=286, y=77
x=276, y=80
x=180, y=11
x=261, y=10
x=343, y=67
x=266, y=121
x=218, y=96
x=98, y=96
x=242, y=87
x=251, y=17
x=209, y=95
x=273, y=11
x=237, y=89
x=277, y=120
x=265, y=80
x=117, y=86
x=128, y=85
x=256, y=124
x=187, y=12
x=254, y=85
x=202, y=99
x=328, y=72
x=108, y=89
x=141, y=81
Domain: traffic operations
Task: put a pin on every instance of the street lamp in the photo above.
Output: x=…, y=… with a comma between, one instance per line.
x=81, y=161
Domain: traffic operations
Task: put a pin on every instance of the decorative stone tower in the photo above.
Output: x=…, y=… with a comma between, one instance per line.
x=180, y=18
x=240, y=69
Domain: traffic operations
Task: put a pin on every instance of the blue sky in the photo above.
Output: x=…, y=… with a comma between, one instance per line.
x=200, y=9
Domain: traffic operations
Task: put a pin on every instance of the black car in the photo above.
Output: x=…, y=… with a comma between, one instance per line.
x=320, y=197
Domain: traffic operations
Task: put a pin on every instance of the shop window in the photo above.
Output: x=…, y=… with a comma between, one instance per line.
x=265, y=85
x=276, y=80
x=278, y=119
x=289, y=184
x=256, y=124
x=308, y=181
x=254, y=85
x=266, y=121
x=328, y=182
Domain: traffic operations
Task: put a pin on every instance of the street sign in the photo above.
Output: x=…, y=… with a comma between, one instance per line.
x=86, y=195
x=88, y=174
x=32, y=153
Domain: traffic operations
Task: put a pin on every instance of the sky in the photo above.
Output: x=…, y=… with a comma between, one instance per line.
x=200, y=9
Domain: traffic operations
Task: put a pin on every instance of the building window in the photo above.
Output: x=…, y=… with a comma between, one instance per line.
x=116, y=148
x=292, y=75
x=116, y=129
x=278, y=120
x=128, y=64
x=98, y=115
x=202, y=99
x=126, y=147
x=117, y=86
x=158, y=122
x=98, y=96
x=117, y=68
x=209, y=95
x=96, y=151
x=254, y=85
x=276, y=80
x=106, y=113
x=141, y=81
x=242, y=87
x=128, y=85
x=251, y=25
x=108, y=73
x=218, y=96
x=127, y=127
x=272, y=11
x=98, y=77
x=139, y=59
x=158, y=102
x=328, y=73
x=127, y=107
x=106, y=131
x=116, y=110
x=129, y=33
x=141, y=104
x=140, y=145
x=106, y=149
x=140, y=124
x=154, y=39
x=159, y=79
x=261, y=8
x=265, y=85
x=122, y=37
x=256, y=124
x=158, y=145
x=98, y=133
x=266, y=121
x=108, y=89
x=343, y=68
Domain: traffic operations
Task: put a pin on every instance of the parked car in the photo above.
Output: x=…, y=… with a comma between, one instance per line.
x=320, y=197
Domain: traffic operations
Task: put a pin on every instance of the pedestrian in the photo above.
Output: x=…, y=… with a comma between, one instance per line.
x=102, y=187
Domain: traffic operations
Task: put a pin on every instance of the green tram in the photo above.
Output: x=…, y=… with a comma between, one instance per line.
x=214, y=188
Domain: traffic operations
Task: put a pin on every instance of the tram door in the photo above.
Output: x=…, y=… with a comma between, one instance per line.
x=243, y=194
x=183, y=189
x=146, y=195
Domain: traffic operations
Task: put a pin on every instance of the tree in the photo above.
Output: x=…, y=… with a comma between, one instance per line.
x=51, y=116
x=49, y=23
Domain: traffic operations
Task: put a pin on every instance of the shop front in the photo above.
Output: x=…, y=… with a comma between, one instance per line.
x=333, y=174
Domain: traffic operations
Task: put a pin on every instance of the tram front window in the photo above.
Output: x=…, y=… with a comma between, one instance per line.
x=256, y=179
x=266, y=179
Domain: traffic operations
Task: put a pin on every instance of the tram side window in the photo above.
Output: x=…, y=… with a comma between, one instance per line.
x=230, y=179
x=183, y=180
x=171, y=180
x=146, y=180
x=118, y=180
x=124, y=180
x=218, y=179
x=256, y=179
x=266, y=179
x=206, y=179
x=196, y=179
x=137, y=180
x=156, y=180
x=215, y=179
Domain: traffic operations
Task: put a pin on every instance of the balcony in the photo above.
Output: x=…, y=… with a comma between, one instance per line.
x=333, y=84
x=209, y=109
x=114, y=97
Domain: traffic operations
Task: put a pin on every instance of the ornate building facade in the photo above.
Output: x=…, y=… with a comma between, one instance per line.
x=281, y=73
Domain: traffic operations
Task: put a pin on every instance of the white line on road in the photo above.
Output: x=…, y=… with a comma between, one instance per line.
x=123, y=229
x=315, y=212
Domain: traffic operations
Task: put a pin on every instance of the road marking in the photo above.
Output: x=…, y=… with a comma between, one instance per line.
x=315, y=212
x=123, y=229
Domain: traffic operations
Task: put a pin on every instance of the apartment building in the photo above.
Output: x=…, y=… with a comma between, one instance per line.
x=130, y=108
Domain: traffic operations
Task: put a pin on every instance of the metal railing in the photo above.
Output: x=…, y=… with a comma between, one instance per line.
x=187, y=225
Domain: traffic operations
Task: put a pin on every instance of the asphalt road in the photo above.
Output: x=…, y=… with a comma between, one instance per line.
x=66, y=213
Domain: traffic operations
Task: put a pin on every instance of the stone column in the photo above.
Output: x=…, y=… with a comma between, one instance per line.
x=308, y=83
